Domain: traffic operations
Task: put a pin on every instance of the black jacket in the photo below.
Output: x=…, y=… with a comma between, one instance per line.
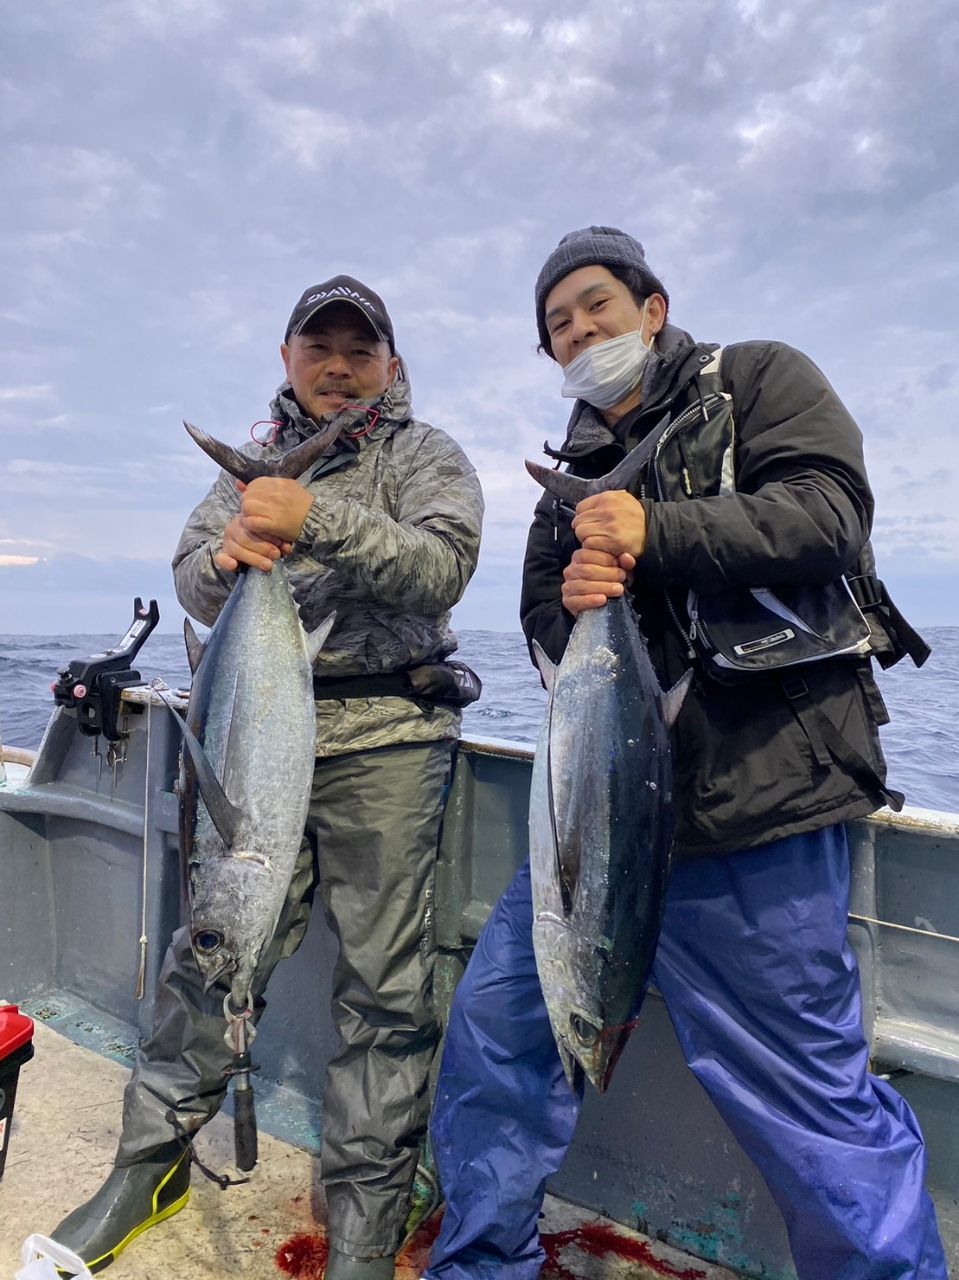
x=746, y=771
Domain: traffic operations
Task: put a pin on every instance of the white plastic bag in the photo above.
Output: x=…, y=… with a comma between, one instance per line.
x=41, y=1257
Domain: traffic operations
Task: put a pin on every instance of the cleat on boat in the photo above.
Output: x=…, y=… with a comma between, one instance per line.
x=130, y=1201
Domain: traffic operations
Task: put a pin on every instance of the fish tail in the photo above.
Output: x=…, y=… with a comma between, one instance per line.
x=568, y=488
x=573, y=489
x=288, y=465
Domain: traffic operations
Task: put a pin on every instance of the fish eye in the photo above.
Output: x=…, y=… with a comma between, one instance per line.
x=583, y=1030
x=208, y=941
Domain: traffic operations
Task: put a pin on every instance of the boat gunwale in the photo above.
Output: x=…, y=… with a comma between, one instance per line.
x=942, y=824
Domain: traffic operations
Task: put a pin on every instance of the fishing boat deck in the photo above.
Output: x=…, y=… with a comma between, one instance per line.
x=64, y=1137
x=89, y=862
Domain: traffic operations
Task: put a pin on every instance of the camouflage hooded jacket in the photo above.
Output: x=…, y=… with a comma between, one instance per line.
x=390, y=542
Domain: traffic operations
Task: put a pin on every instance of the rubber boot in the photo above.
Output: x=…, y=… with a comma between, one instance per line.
x=340, y=1266
x=131, y=1200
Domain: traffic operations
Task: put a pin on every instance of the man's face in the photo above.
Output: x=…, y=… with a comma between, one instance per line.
x=336, y=361
x=589, y=306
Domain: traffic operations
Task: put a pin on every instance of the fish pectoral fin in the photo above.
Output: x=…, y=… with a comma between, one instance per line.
x=224, y=814
x=194, y=646
x=316, y=639
x=674, y=699
x=568, y=881
x=235, y=755
x=547, y=668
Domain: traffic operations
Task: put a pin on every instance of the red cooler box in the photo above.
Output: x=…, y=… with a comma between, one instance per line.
x=16, y=1048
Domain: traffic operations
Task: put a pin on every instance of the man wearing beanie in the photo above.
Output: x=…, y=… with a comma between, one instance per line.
x=752, y=507
x=383, y=533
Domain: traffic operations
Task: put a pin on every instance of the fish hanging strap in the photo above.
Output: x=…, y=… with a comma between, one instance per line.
x=141, y=970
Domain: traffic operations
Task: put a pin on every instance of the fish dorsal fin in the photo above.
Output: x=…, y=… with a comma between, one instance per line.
x=194, y=646
x=223, y=813
x=547, y=669
x=316, y=639
x=289, y=465
x=574, y=489
x=674, y=699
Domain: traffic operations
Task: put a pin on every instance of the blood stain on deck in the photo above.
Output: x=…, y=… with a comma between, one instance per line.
x=303, y=1257
x=602, y=1242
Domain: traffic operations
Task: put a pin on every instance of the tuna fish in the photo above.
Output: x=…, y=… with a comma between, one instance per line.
x=248, y=769
x=601, y=819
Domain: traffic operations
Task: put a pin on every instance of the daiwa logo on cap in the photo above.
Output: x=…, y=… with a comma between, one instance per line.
x=341, y=291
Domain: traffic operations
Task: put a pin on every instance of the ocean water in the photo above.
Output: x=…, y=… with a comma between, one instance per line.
x=511, y=706
x=921, y=743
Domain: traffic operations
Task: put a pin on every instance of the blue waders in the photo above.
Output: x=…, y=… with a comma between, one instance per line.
x=763, y=992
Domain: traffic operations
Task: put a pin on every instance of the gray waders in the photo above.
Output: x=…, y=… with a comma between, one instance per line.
x=371, y=845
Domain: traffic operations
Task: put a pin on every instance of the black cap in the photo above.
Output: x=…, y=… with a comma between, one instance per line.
x=343, y=289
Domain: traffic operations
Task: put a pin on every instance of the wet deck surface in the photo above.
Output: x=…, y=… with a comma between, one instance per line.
x=61, y=1148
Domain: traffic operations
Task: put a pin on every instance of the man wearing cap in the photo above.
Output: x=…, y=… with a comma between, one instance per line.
x=757, y=481
x=384, y=533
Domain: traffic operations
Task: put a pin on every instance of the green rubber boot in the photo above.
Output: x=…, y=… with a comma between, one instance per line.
x=340, y=1266
x=130, y=1201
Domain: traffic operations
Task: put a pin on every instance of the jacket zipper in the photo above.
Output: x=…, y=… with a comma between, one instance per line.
x=558, y=506
x=698, y=628
x=688, y=415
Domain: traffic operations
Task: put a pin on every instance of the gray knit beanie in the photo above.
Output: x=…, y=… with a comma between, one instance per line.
x=603, y=246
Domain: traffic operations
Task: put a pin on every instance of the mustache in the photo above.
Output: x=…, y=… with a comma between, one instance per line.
x=339, y=389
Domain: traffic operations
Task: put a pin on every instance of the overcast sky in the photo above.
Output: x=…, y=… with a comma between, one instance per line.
x=175, y=172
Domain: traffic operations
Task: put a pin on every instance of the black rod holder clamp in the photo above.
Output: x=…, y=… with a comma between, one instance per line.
x=93, y=686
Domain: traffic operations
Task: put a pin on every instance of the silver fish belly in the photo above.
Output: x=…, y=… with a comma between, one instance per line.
x=251, y=709
x=600, y=838
x=601, y=816
x=248, y=766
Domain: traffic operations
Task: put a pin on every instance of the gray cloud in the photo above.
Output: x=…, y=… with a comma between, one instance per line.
x=178, y=172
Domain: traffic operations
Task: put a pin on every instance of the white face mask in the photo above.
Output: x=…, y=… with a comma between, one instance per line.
x=605, y=374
